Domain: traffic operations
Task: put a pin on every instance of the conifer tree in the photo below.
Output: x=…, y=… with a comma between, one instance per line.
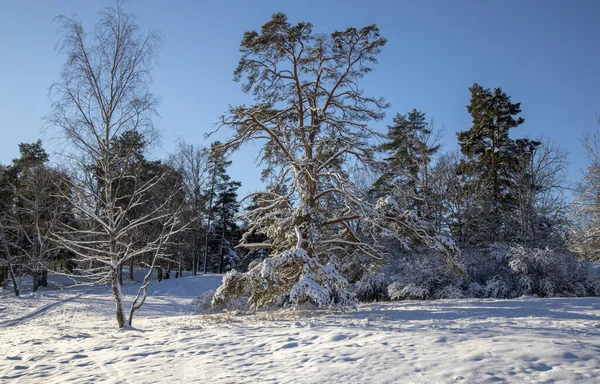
x=406, y=170
x=222, y=207
x=491, y=155
x=311, y=117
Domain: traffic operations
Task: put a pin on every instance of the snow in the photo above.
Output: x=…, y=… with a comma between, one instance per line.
x=70, y=335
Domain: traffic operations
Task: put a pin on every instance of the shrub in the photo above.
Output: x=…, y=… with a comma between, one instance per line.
x=292, y=274
x=372, y=287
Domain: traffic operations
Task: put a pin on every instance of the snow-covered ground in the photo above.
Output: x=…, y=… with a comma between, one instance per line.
x=69, y=335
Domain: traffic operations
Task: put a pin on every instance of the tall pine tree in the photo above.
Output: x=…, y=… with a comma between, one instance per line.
x=492, y=156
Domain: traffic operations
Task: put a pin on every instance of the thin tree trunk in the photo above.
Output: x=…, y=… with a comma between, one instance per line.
x=10, y=266
x=34, y=277
x=131, y=269
x=222, y=249
x=116, y=289
x=210, y=208
x=120, y=270
x=44, y=277
x=194, y=261
x=14, y=278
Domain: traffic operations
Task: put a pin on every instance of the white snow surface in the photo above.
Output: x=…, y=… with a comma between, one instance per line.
x=69, y=335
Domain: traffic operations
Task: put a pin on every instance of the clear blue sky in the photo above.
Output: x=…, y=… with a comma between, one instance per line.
x=544, y=53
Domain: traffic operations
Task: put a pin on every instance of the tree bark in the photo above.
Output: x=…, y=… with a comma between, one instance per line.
x=222, y=248
x=44, y=277
x=14, y=279
x=194, y=262
x=34, y=277
x=131, y=270
x=116, y=289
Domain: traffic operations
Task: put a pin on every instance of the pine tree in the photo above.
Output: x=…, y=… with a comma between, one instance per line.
x=222, y=206
x=311, y=118
x=491, y=155
x=33, y=206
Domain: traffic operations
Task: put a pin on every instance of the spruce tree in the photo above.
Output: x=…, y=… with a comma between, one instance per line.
x=222, y=207
x=406, y=168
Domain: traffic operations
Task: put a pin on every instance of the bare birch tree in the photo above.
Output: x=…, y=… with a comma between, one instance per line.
x=103, y=93
x=540, y=212
x=191, y=162
x=587, y=205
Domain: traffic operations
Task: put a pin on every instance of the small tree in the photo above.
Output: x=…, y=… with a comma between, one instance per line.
x=103, y=93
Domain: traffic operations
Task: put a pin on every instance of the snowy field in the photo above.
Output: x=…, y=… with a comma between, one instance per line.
x=59, y=336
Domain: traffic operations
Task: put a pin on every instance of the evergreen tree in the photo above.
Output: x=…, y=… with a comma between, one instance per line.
x=32, y=208
x=491, y=155
x=222, y=207
x=406, y=169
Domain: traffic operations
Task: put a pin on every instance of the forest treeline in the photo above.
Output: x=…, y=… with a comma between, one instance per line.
x=347, y=213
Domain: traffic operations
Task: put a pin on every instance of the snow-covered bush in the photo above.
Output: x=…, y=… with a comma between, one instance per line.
x=409, y=292
x=450, y=291
x=430, y=271
x=372, y=287
x=497, y=288
x=474, y=289
x=510, y=271
x=500, y=271
x=292, y=274
x=202, y=303
x=592, y=286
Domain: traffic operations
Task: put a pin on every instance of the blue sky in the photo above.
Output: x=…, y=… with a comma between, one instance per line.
x=543, y=53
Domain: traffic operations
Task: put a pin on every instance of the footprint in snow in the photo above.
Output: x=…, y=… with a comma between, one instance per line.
x=541, y=367
x=338, y=337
